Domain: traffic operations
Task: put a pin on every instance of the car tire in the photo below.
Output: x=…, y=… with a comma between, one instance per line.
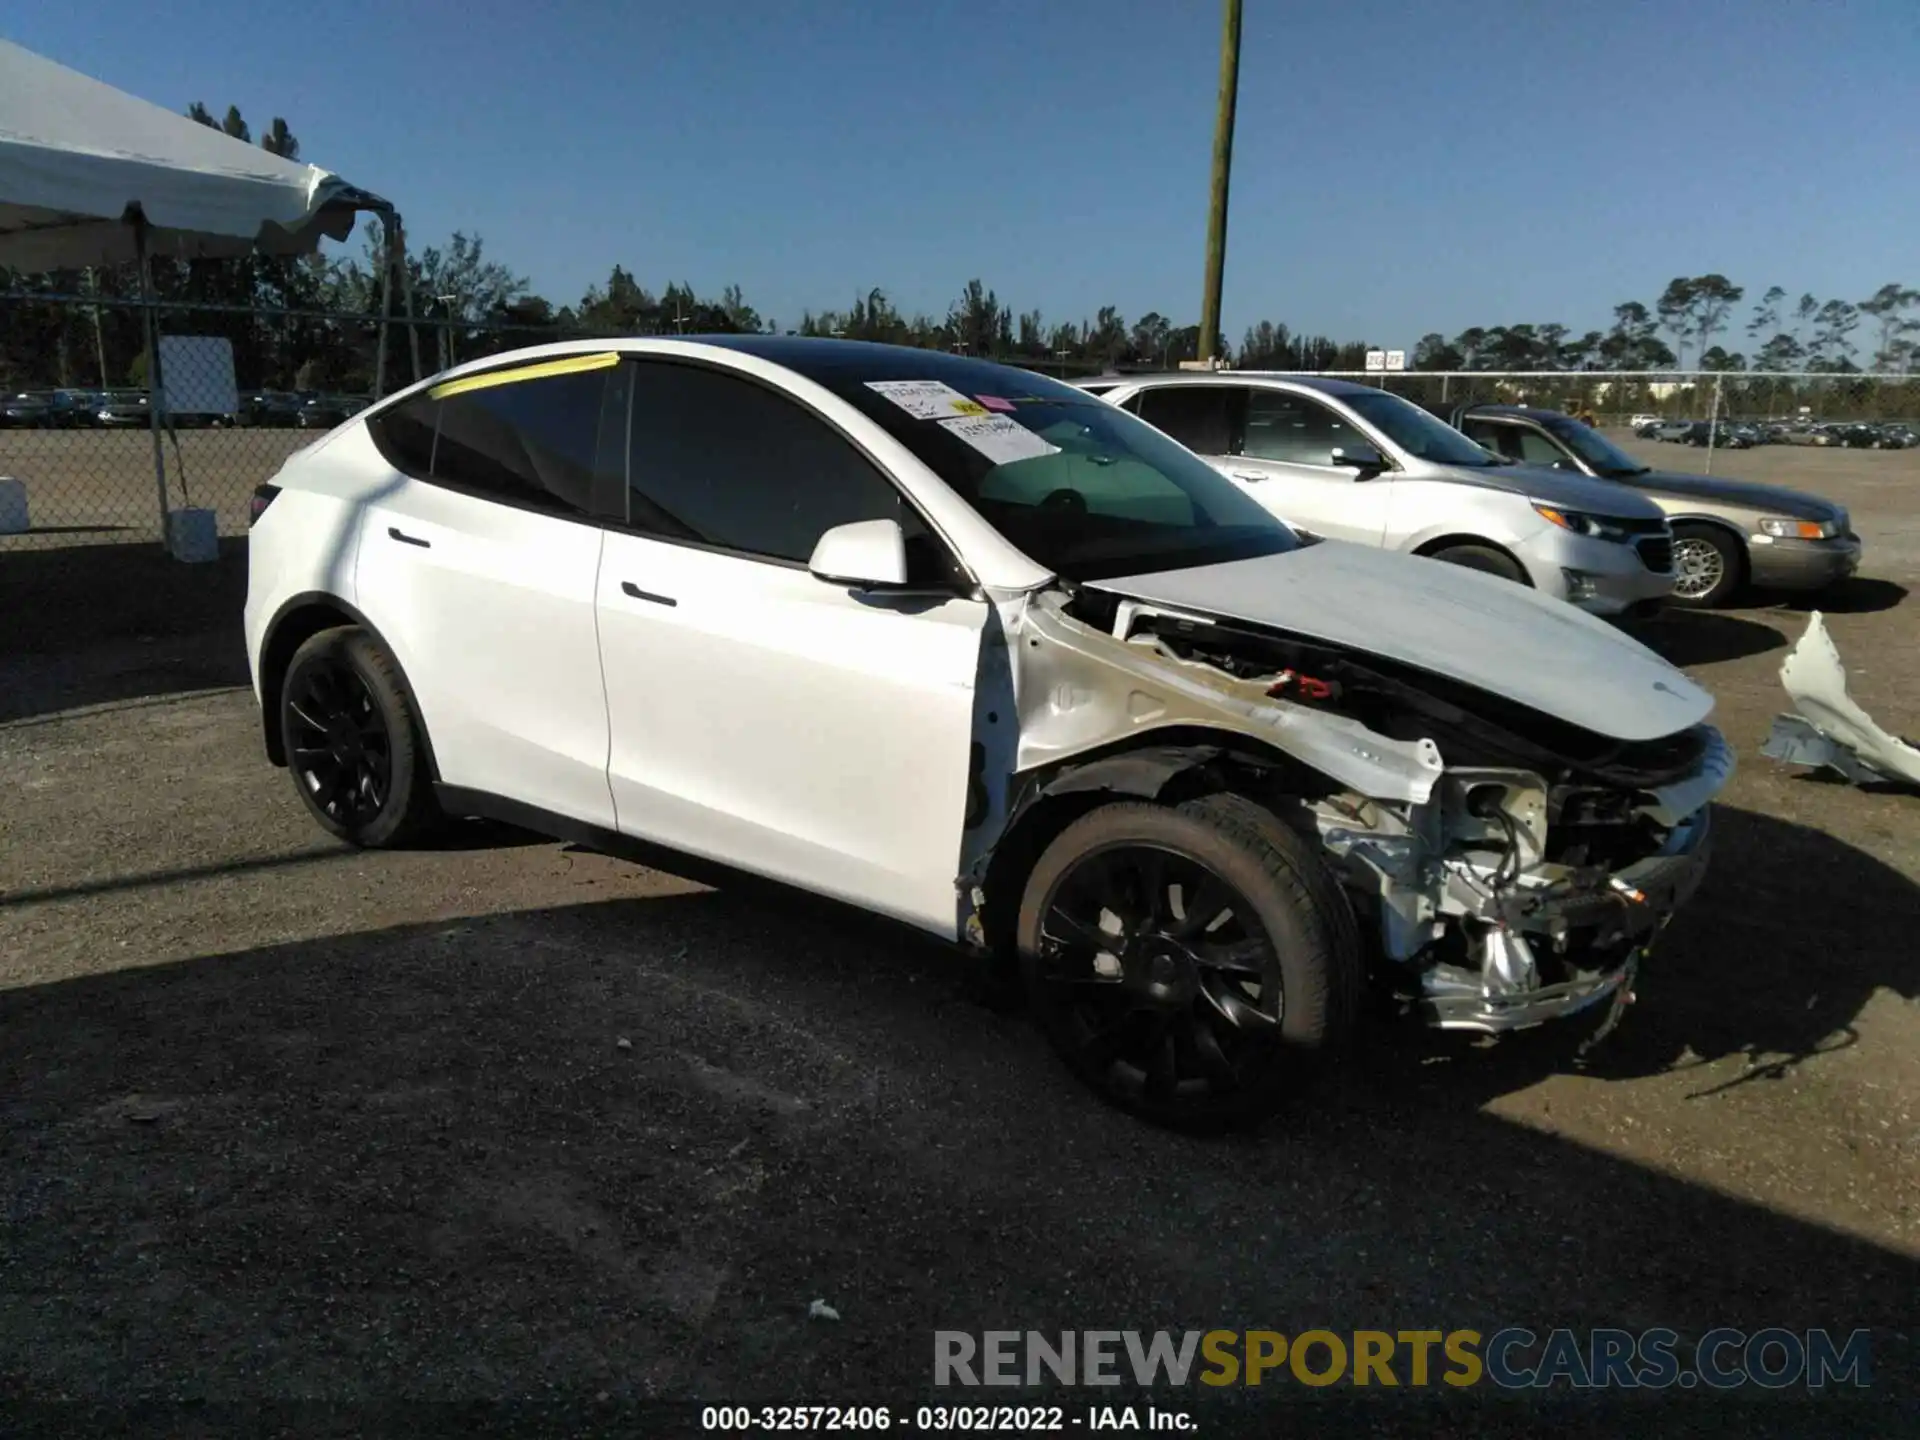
x=1708, y=567
x=353, y=744
x=1187, y=1031
x=1485, y=559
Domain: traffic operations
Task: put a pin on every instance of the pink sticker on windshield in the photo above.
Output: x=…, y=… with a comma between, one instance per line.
x=994, y=402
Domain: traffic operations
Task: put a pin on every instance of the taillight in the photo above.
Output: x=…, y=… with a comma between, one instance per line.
x=257, y=506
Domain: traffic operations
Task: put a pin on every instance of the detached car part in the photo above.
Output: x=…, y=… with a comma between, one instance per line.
x=1829, y=730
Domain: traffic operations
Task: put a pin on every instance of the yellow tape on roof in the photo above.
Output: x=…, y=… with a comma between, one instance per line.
x=570, y=365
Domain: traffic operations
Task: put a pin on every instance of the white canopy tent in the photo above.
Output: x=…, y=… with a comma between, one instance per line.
x=90, y=175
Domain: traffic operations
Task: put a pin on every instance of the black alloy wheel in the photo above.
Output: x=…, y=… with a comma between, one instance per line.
x=1186, y=962
x=352, y=742
x=339, y=743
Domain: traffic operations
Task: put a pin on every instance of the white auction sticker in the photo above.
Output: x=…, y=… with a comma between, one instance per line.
x=1000, y=439
x=927, y=399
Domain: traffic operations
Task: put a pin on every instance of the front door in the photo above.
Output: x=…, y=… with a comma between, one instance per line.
x=760, y=716
x=1288, y=442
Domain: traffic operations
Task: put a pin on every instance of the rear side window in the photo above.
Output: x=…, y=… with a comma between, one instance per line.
x=534, y=443
x=1200, y=417
x=721, y=461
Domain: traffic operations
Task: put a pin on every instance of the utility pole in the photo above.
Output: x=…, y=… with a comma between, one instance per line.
x=1222, y=164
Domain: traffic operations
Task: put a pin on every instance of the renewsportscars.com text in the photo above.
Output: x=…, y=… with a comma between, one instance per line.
x=1515, y=1357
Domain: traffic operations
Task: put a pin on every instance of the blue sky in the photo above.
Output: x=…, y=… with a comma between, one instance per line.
x=1400, y=166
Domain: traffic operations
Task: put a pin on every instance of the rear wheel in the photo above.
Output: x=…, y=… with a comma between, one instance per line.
x=1485, y=559
x=352, y=740
x=1707, y=567
x=1193, y=964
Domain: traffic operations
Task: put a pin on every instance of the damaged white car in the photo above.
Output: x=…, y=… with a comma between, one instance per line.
x=973, y=649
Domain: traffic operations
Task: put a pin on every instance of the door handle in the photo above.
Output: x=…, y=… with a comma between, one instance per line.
x=394, y=532
x=1244, y=475
x=627, y=587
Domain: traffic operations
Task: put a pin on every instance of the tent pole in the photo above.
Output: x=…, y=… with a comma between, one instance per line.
x=154, y=398
x=406, y=294
x=386, y=304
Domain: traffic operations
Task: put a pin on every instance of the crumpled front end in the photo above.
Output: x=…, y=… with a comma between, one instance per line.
x=1513, y=867
x=1507, y=900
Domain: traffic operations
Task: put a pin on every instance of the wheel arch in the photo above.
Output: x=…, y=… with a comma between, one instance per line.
x=1167, y=767
x=298, y=620
x=1429, y=548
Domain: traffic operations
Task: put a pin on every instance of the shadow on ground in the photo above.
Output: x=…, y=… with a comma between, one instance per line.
x=1858, y=596
x=1703, y=637
x=100, y=624
x=619, y=1148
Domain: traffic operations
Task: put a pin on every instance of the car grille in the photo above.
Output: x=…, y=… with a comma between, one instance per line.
x=1656, y=552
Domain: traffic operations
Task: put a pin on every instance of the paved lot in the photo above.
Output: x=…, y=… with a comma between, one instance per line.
x=283, y=1121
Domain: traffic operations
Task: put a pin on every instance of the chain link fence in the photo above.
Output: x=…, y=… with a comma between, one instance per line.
x=241, y=388
x=1616, y=398
x=238, y=390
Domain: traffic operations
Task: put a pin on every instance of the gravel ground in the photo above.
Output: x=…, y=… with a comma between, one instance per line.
x=286, y=1124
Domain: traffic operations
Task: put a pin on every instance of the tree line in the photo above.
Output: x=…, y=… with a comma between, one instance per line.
x=311, y=323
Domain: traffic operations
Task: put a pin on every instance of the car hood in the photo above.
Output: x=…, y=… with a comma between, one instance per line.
x=1558, y=489
x=1470, y=627
x=1776, y=499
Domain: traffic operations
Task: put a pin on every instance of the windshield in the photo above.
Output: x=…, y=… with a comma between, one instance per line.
x=1415, y=431
x=1591, y=446
x=1084, y=488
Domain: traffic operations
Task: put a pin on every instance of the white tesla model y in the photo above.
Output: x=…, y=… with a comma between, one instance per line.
x=965, y=646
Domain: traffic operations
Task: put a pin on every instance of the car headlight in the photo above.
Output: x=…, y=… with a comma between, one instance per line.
x=1784, y=529
x=1596, y=527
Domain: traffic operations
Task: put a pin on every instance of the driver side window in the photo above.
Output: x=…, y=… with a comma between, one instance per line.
x=1291, y=428
x=1537, y=449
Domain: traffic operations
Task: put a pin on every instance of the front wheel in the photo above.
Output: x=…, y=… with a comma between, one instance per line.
x=352, y=741
x=1193, y=964
x=1707, y=567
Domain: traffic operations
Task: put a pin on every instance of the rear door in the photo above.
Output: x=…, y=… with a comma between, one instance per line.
x=478, y=562
x=760, y=716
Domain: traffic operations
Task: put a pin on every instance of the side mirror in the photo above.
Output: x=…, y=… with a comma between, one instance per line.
x=863, y=555
x=1358, y=455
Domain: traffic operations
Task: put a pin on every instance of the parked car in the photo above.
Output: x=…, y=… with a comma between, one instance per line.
x=1870, y=437
x=73, y=409
x=1354, y=462
x=1726, y=533
x=1070, y=697
x=1642, y=419
x=1722, y=435
x=1647, y=429
x=1674, y=431
x=26, y=410
x=269, y=409
x=323, y=412
x=121, y=408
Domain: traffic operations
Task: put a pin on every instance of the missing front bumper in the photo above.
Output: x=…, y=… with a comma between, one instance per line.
x=1621, y=920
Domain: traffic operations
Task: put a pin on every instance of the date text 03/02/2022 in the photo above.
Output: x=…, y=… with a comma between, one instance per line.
x=934, y=1419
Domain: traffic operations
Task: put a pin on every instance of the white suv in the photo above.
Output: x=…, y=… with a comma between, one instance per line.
x=1354, y=462
x=966, y=647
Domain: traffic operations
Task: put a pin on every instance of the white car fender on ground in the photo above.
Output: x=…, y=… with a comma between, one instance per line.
x=1830, y=729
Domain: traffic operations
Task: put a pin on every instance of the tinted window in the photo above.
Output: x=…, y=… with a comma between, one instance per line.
x=722, y=461
x=404, y=435
x=1283, y=425
x=1200, y=417
x=534, y=443
x=1501, y=439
